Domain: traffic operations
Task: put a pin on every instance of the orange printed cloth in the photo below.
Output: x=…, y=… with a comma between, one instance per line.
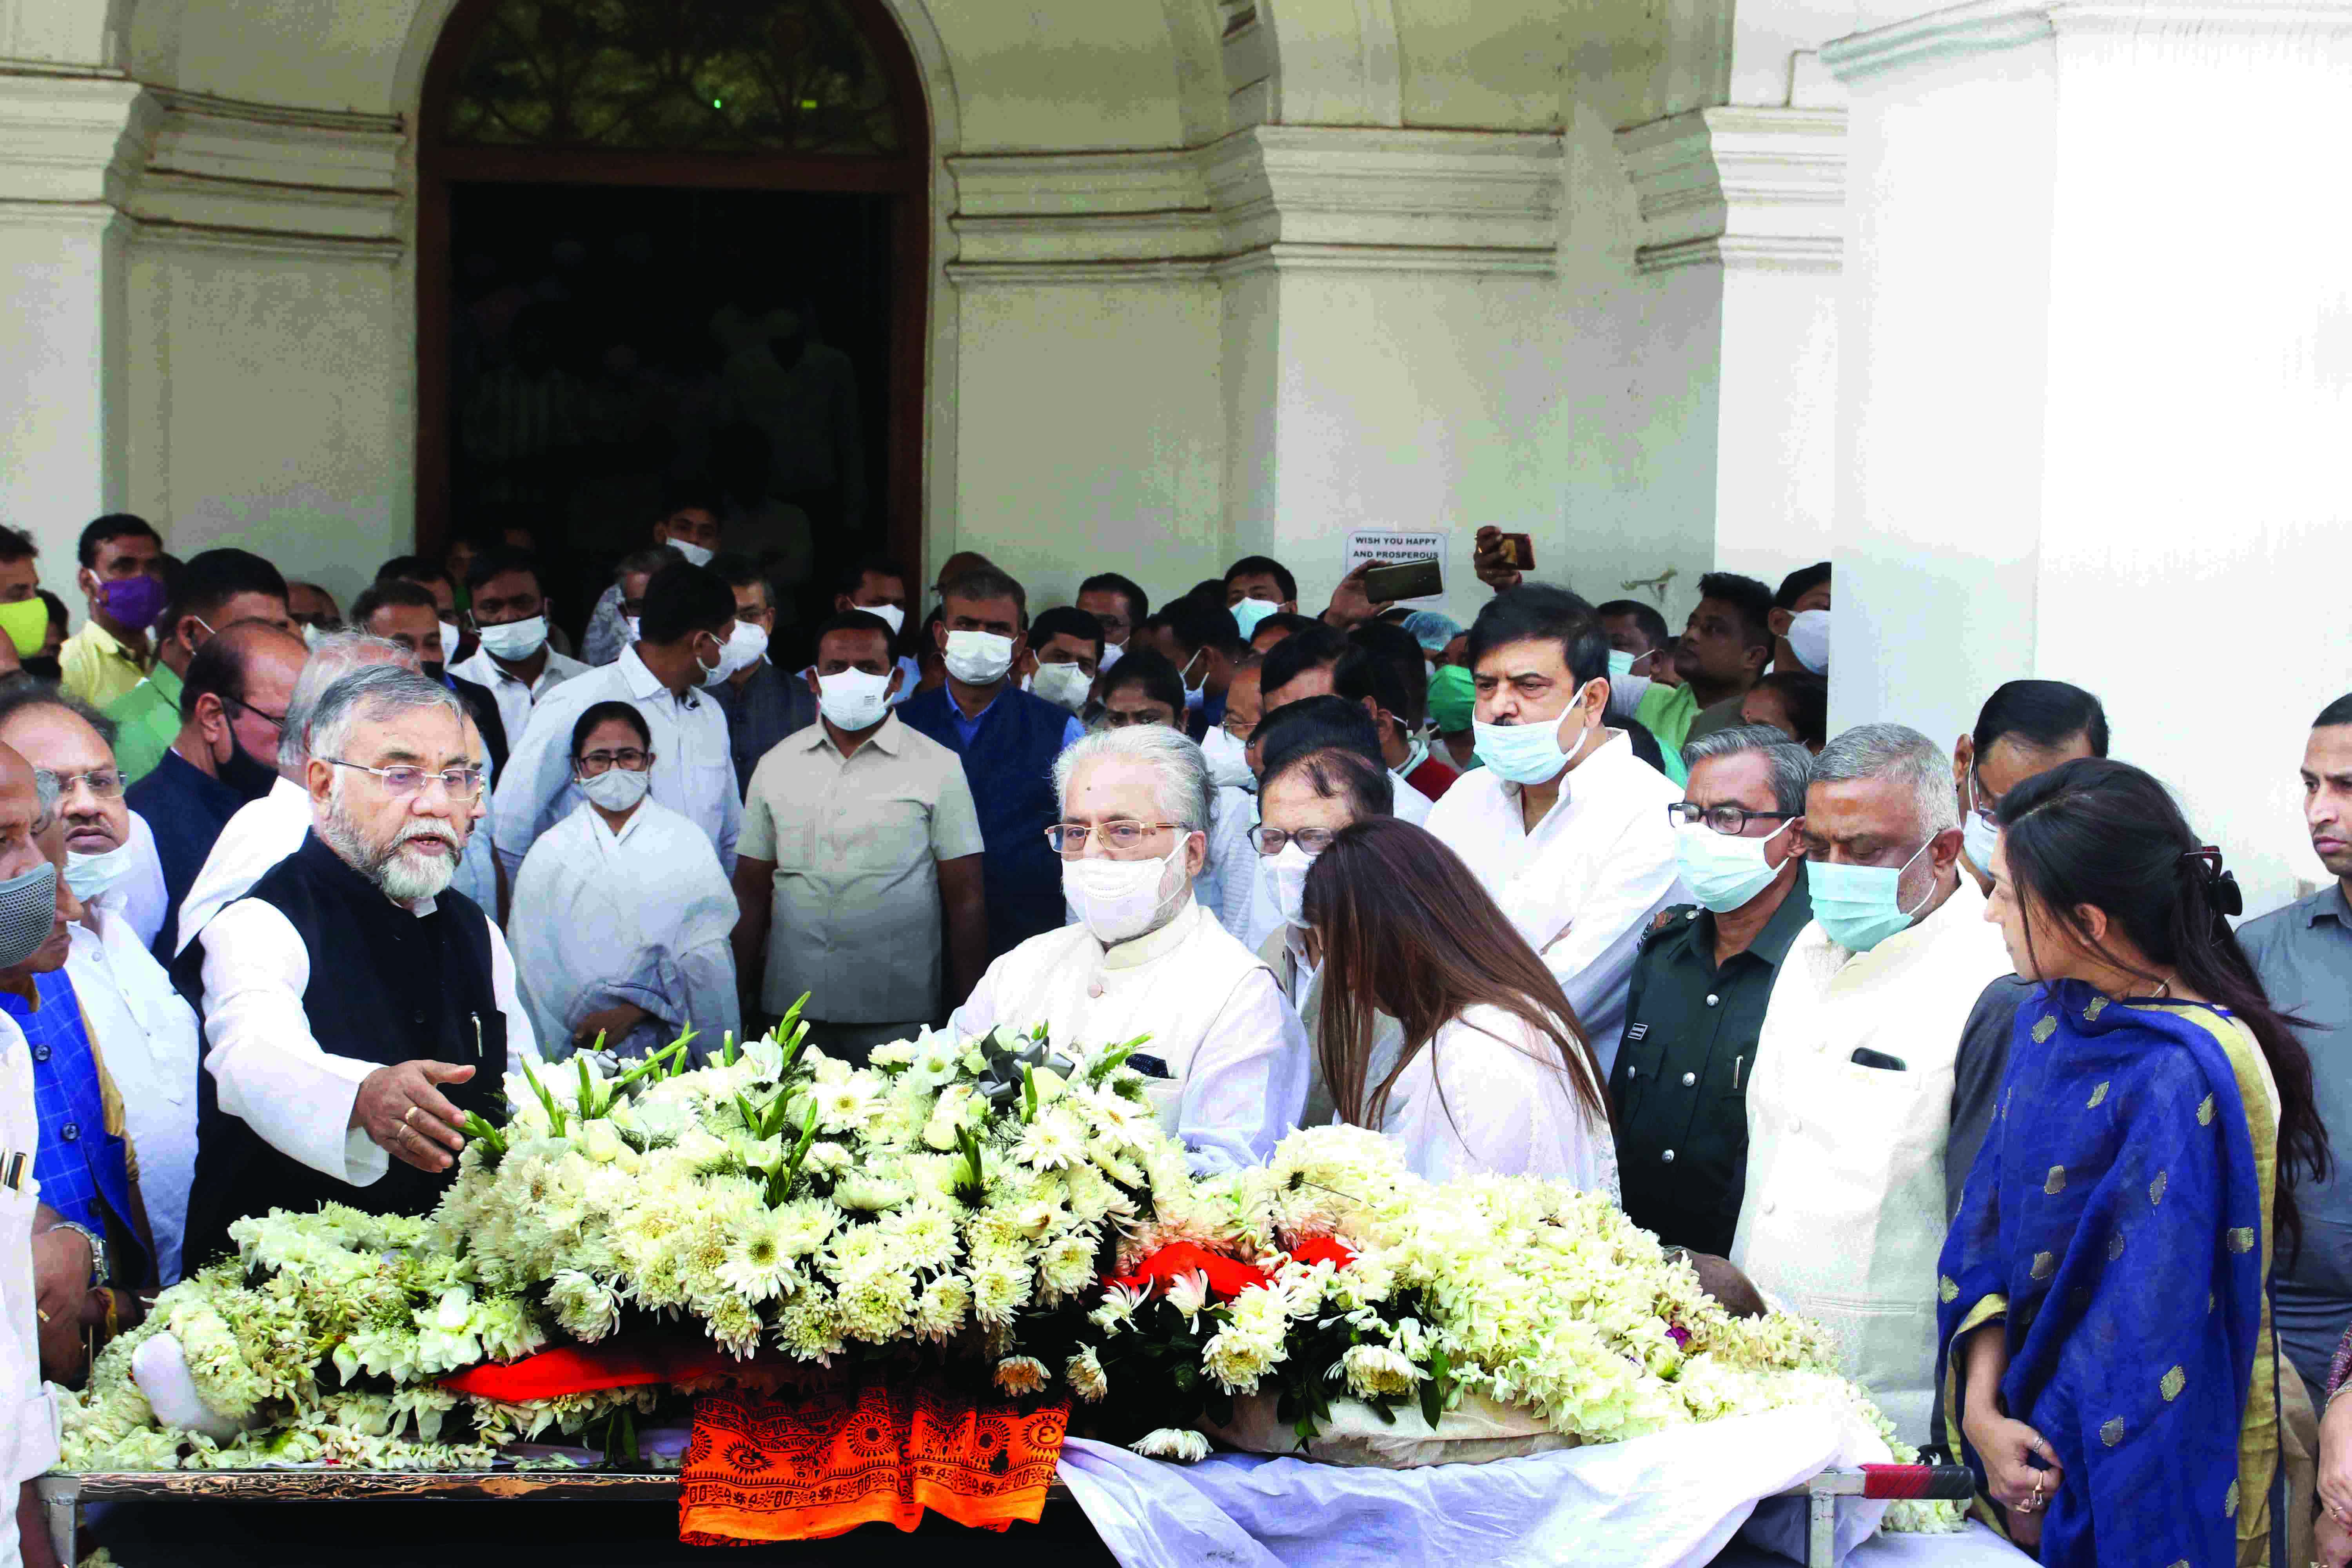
x=801, y=1469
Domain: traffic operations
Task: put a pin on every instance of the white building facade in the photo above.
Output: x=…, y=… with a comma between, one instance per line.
x=2034, y=319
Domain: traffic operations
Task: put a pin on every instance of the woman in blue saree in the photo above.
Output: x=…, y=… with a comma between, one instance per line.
x=2109, y=1370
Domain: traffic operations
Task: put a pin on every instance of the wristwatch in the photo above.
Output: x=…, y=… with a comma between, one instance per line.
x=98, y=1275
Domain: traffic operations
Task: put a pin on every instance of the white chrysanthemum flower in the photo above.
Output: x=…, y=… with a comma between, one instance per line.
x=1051, y=1142
x=1118, y=1309
x=1087, y=1379
x=1172, y=1443
x=758, y=1266
x=939, y=1314
x=1376, y=1372
x=844, y=1105
x=827, y=1159
x=584, y=1307
x=804, y=1225
x=1021, y=1374
x=897, y=1054
x=1188, y=1292
x=869, y=1194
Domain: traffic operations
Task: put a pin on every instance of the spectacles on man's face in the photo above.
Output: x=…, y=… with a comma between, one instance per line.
x=1272, y=840
x=1069, y=838
x=1729, y=820
x=275, y=721
x=400, y=779
x=106, y=783
x=628, y=759
x=1239, y=729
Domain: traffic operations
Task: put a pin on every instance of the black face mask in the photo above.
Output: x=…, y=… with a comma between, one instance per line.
x=244, y=772
x=433, y=672
x=41, y=668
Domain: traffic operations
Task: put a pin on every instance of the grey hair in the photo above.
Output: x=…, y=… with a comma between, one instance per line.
x=374, y=693
x=47, y=788
x=337, y=655
x=1900, y=753
x=1789, y=765
x=1183, y=789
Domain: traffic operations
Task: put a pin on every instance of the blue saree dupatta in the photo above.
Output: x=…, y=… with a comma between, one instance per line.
x=2117, y=1222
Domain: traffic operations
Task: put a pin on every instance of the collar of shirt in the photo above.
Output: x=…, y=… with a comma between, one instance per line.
x=645, y=685
x=887, y=735
x=1602, y=768
x=603, y=829
x=2328, y=904
x=107, y=643
x=1771, y=943
x=1156, y=944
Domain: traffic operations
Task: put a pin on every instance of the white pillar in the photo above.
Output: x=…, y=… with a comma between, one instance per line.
x=67, y=145
x=1741, y=218
x=2097, y=380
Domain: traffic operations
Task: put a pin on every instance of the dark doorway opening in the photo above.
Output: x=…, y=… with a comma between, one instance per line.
x=666, y=246
x=615, y=351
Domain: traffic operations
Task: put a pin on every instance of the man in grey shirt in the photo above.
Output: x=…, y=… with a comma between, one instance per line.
x=2303, y=957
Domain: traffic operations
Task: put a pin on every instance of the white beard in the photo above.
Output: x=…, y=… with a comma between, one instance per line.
x=403, y=875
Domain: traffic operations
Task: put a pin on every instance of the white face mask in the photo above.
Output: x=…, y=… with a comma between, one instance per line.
x=448, y=642
x=516, y=640
x=1809, y=639
x=310, y=635
x=695, y=555
x=1123, y=899
x=1228, y=759
x=617, y=789
x=890, y=616
x=90, y=874
x=1288, y=869
x=632, y=622
x=979, y=658
x=744, y=646
x=853, y=700
x=1112, y=653
x=1062, y=685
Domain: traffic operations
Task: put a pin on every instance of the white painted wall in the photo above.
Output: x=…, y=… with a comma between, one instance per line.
x=1091, y=429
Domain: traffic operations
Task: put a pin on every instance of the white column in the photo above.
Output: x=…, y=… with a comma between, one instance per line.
x=1741, y=220
x=67, y=145
x=2097, y=380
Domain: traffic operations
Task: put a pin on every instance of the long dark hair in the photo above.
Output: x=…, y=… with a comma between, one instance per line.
x=1407, y=931
x=2103, y=833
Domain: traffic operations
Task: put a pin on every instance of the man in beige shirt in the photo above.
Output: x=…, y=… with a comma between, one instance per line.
x=860, y=849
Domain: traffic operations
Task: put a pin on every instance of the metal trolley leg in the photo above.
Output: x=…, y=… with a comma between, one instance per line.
x=1889, y=1483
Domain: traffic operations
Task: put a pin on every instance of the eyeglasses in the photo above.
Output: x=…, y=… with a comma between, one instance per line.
x=275, y=721
x=461, y=784
x=1238, y=729
x=628, y=759
x=1271, y=840
x=1120, y=718
x=1732, y=820
x=106, y=783
x=1069, y=838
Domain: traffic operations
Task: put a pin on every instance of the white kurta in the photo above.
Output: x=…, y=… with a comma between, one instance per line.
x=28, y=1424
x=1839, y=1151
x=147, y=1032
x=642, y=917
x=140, y=896
x=1582, y=886
x=1233, y=1053
x=1406, y=803
x=1489, y=1097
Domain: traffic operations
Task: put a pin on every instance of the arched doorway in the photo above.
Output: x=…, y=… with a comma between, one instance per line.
x=672, y=249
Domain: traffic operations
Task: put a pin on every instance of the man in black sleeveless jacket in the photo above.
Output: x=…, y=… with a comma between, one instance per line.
x=355, y=1010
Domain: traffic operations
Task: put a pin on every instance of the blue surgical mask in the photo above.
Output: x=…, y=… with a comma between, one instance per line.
x=1523, y=753
x=1195, y=697
x=1861, y=906
x=1724, y=871
x=1250, y=614
x=1620, y=662
x=1979, y=839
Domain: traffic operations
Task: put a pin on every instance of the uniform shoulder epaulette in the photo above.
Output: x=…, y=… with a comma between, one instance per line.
x=1674, y=916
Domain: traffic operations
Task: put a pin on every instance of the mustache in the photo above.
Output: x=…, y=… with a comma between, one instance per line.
x=441, y=831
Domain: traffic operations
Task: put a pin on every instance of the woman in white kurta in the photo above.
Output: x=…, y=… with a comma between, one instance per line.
x=622, y=918
x=1495, y=1077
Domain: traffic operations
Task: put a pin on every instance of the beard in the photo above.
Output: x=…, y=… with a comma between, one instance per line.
x=403, y=874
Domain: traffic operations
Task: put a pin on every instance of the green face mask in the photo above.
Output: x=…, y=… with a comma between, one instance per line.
x=26, y=622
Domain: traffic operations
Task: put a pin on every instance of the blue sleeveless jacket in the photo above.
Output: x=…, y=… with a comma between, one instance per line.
x=1010, y=767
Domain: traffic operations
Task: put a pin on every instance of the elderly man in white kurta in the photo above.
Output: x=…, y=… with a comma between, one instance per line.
x=1226, y=1059
x=1565, y=827
x=1863, y=1087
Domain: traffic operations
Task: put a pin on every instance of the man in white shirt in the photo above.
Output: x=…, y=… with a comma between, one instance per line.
x=28, y=1422
x=1226, y=1057
x=265, y=831
x=1564, y=826
x=689, y=640
x=514, y=663
x=144, y=1030
x=1857, y=1108
x=356, y=1010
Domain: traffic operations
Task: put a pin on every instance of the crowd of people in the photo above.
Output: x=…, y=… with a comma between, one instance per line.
x=1954, y=1049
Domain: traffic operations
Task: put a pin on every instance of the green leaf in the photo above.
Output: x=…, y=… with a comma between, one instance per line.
x=548, y=1102
x=588, y=1108
x=727, y=1052
x=1028, y=1093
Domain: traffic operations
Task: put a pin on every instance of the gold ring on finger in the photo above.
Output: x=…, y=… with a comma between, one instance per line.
x=408, y=1116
